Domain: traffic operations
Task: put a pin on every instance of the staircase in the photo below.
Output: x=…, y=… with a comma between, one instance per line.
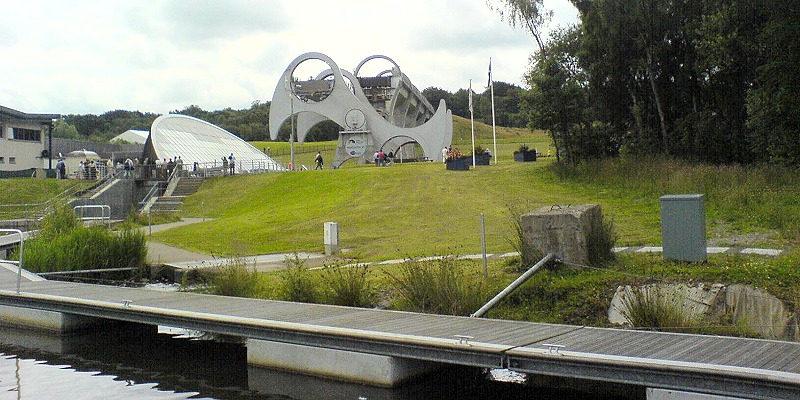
x=172, y=199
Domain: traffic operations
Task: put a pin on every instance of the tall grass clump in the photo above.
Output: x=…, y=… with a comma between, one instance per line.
x=349, y=286
x=763, y=196
x=64, y=244
x=653, y=308
x=514, y=213
x=443, y=286
x=601, y=240
x=234, y=278
x=298, y=283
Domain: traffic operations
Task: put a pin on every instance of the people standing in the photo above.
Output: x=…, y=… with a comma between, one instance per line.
x=318, y=161
x=61, y=169
x=444, y=154
x=232, y=163
x=128, y=167
x=179, y=165
x=170, y=168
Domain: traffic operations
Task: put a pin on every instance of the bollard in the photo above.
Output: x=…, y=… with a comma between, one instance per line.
x=331, y=238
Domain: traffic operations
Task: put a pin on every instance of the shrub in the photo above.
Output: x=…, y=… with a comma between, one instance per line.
x=349, y=286
x=298, y=283
x=441, y=286
x=650, y=307
x=514, y=213
x=235, y=279
x=601, y=242
x=63, y=244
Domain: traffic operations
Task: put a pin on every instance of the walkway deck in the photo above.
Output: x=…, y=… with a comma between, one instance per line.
x=757, y=369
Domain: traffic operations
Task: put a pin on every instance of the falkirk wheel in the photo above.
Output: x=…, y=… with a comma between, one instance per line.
x=383, y=112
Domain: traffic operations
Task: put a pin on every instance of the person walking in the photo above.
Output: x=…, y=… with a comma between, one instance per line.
x=318, y=161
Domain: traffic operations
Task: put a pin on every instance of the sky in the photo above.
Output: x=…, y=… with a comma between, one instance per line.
x=89, y=57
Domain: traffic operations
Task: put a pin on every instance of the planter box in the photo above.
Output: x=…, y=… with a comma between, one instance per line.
x=462, y=164
x=481, y=159
x=525, y=156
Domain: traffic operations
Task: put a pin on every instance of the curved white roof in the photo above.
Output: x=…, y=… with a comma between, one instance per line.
x=132, y=136
x=195, y=140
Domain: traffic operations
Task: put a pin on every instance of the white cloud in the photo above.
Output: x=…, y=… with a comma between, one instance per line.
x=86, y=56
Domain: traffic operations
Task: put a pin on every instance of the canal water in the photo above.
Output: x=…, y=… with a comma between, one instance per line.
x=129, y=362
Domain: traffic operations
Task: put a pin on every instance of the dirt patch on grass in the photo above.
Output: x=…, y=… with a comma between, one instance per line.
x=721, y=234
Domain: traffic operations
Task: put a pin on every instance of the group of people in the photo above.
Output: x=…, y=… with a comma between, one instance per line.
x=87, y=169
x=229, y=164
x=383, y=159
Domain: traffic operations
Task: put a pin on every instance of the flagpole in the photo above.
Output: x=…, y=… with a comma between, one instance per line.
x=494, y=130
x=472, y=123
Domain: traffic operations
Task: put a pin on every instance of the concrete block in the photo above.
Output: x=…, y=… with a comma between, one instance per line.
x=670, y=394
x=370, y=369
x=331, y=238
x=50, y=321
x=564, y=231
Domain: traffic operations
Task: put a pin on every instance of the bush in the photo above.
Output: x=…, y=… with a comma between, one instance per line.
x=298, y=283
x=64, y=244
x=650, y=307
x=601, y=241
x=349, y=286
x=235, y=279
x=439, y=287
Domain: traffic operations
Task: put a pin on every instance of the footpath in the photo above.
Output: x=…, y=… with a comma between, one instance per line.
x=181, y=260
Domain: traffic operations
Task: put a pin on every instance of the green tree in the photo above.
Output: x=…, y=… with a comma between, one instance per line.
x=774, y=101
x=529, y=14
x=559, y=102
x=65, y=130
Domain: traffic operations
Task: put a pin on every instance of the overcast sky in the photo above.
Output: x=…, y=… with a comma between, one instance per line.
x=80, y=57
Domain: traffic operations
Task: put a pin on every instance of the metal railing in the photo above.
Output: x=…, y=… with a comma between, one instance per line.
x=206, y=169
x=36, y=211
x=21, y=253
x=102, y=217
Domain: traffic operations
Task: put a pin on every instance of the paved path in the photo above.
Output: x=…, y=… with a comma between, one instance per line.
x=162, y=254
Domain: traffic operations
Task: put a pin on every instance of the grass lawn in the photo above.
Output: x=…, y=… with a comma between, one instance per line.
x=392, y=212
x=26, y=196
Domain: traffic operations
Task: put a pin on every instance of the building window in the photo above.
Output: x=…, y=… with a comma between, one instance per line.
x=2, y=160
x=31, y=135
x=12, y=160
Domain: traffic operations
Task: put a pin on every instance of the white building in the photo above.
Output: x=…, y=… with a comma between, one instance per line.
x=25, y=140
x=132, y=136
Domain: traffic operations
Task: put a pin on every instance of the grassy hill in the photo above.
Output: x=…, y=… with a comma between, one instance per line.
x=423, y=209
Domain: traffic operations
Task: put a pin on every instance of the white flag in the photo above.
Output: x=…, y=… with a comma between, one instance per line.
x=490, y=72
x=470, y=95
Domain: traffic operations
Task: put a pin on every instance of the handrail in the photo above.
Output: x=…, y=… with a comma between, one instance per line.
x=102, y=216
x=21, y=252
x=150, y=193
x=36, y=211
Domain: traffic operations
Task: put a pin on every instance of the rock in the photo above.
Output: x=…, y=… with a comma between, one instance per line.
x=564, y=231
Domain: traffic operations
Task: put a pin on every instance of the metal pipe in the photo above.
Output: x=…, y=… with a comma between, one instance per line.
x=483, y=245
x=21, y=244
x=510, y=288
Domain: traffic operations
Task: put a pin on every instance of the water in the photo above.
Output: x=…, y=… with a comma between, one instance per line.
x=130, y=362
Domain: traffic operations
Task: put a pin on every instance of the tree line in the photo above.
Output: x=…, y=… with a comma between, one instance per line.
x=251, y=124
x=707, y=80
